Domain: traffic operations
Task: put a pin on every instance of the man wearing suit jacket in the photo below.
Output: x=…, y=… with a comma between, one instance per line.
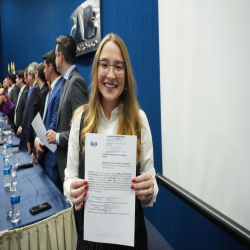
x=74, y=94
x=22, y=96
x=26, y=129
x=49, y=118
x=13, y=90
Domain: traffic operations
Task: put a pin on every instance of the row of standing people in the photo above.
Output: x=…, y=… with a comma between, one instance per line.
x=55, y=89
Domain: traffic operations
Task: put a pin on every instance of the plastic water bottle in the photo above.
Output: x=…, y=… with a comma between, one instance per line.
x=7, y=175
x=10, y=145
x=13, y=169
x=1, y=124
x=4, y=152
x=15, y=204
x=8, y=158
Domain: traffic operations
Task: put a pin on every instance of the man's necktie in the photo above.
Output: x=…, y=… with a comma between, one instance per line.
x=49, y=95
x=29, y=93
x=62, y=87
x=46, y=103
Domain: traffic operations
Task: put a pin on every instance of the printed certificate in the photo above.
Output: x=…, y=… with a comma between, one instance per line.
x=109, y=207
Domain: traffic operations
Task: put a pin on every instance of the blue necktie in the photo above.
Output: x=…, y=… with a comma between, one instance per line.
x=62, y=87
x=29, y=93
x=27, y=96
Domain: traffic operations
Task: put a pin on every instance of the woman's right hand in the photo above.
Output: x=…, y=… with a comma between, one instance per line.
x=78, y=191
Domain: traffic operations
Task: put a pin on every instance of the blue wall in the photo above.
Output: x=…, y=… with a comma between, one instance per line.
x=29, y=29
x=1, y=51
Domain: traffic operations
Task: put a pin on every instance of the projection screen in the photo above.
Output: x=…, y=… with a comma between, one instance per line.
x=205, y=101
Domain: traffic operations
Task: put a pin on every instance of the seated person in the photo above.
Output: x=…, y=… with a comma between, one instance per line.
x=5, y=103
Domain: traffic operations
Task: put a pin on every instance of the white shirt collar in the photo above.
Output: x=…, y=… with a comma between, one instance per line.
x=33, y=85
x=21, y=89
x=54, y=82
x=114, y=114
x=10, y=88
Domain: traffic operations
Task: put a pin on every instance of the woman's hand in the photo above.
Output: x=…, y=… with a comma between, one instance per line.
x=78, y=191
x=144, y=187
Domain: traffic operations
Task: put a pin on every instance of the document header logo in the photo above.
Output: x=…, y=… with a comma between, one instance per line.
x=93, y=144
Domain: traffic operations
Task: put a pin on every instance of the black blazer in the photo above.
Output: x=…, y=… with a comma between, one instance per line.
x=14, y=94
x=40, y=100
x=39, y=107
x=28, y=116
x=75, y=94
x=19, y=109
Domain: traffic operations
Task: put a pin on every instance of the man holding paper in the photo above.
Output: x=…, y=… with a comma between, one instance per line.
x=49, y=117
x=100, y=180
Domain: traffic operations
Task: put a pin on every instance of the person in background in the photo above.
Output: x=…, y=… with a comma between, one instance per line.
x=44, y=89
x=19, y=128
x=11, y=79
x=26, y=129
x=5, y=85
x=74, y=93
x=39, y=103
x=49, y=118
x=6, y=104
x=17, y=112
x=113, y=109
x=13, y=90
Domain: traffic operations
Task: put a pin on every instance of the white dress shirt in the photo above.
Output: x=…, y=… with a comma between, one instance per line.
x=109, y=127
x=10, y=88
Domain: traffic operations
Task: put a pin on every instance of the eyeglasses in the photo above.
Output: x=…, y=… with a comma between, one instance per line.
x=118, y=66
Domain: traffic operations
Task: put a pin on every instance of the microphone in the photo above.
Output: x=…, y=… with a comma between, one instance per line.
x=23, y=166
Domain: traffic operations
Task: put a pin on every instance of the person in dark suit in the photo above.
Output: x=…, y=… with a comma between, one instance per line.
x=26, y=129
x=74, y=94
x=13, y=90
x=44, y=89
x=39, y=103
x=49, y=118
x=21, y=100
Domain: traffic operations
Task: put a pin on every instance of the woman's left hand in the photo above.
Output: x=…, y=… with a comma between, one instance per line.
x=144, y=187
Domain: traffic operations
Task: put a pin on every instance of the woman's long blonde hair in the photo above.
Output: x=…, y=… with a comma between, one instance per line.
x=129, y=122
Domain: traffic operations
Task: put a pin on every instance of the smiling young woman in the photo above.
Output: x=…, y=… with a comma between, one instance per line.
x=113, y=109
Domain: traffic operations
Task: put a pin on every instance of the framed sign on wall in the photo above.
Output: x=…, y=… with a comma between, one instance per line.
x=86, y=26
